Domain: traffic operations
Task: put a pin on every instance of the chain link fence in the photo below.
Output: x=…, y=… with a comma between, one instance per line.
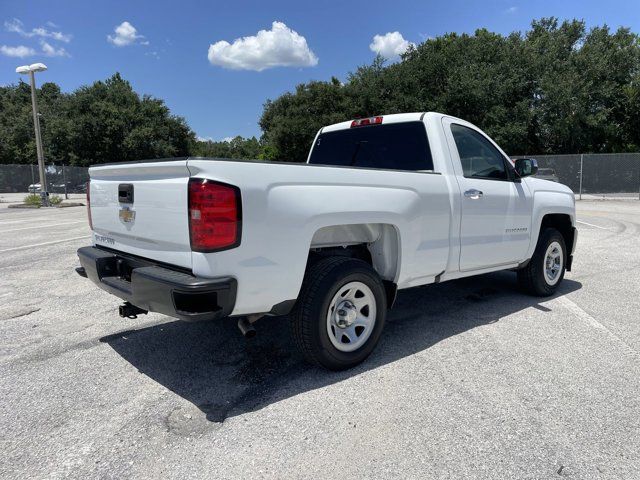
x=61, y=179
x=601, y=175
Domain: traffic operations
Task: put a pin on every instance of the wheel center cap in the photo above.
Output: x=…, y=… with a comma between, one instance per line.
x=345, y=314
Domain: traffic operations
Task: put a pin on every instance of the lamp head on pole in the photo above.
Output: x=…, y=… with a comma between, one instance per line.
x=34, y=67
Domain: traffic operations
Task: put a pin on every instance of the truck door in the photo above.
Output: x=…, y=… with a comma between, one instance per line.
x=495, y=218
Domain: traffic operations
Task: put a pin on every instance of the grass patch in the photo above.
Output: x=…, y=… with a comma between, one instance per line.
x=32, y=199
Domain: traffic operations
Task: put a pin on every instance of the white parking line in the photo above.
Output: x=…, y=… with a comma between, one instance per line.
x=16, y=221
x=33, y=219
x=580, y=313
x=43, y=244
x=41, y=226
x=592, y=225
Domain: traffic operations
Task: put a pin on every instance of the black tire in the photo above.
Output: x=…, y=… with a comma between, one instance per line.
x=532, y=278
x=322, y=281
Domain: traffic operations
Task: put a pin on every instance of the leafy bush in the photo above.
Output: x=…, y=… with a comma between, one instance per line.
x=55, y=199
x=32, y=199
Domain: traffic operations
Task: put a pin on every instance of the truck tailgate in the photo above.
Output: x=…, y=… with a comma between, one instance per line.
x=142, y=209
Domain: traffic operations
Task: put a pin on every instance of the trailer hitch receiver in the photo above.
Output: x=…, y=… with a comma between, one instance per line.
x=127, y=310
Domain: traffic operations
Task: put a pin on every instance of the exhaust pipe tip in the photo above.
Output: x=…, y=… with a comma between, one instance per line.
x=246, y=328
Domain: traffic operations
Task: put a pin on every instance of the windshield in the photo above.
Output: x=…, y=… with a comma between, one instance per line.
x=396, y=146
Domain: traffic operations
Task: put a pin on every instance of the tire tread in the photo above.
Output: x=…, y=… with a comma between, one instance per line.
x=319, y=279
x=311, y=289
x=531, y=277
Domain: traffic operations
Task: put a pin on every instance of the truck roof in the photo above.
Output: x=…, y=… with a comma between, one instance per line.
x=391, y=118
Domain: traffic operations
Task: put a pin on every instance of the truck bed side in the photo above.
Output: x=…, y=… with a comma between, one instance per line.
x=285, y=206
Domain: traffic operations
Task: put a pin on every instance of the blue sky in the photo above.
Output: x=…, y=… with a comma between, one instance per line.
x=163, y=49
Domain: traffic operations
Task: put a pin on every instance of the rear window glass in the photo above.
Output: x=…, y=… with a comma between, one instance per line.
x=396, y=146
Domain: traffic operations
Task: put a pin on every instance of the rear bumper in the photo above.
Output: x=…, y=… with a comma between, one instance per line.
x=158, y=288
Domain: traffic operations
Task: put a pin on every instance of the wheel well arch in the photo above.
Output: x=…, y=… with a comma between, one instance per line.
x=562, y=223
x=377, y=244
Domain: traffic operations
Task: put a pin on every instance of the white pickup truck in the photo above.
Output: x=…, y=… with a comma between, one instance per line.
x=382, y=204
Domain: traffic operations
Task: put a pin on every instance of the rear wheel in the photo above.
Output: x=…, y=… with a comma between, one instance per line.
x=546, y=269
x=340, y=313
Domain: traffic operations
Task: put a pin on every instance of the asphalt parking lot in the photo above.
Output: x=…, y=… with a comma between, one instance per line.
x=471, y=379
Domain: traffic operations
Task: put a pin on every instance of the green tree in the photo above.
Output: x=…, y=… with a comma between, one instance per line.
x=291, y=121
x=105, y=122
x=17, y=143
x=237, y=148
x=557, y=88
x=111, y=123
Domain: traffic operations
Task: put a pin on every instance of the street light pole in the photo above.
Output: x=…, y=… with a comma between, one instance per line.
x=31, y=70
x=36, y=122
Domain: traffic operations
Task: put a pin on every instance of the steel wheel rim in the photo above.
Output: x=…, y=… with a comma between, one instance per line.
x=351, y=316
x=553, y=263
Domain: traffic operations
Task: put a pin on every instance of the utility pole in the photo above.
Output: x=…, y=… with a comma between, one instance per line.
x=31, y=70
x=581, y=166
x=64, y=179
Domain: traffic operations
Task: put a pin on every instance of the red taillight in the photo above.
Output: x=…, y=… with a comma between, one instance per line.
x=214, y=215
x=89, y=204
x=366, y=121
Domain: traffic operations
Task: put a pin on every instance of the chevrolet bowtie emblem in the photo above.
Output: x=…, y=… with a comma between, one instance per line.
x=127, y=215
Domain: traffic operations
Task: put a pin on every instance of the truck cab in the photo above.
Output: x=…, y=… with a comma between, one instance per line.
x=492, y=204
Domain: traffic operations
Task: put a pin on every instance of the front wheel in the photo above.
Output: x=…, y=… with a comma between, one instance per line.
x=546, y=268
x=340, y=313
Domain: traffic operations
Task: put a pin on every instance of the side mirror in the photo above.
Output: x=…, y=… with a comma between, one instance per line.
x=526, y=167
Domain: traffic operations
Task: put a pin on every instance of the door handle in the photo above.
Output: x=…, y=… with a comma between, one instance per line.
x=473, y=194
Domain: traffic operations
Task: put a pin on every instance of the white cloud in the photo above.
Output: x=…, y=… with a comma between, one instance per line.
x=390, y=45
x=511, y=10
x=211, y=139
x=278, y=47
x=51, y=51
x=126, y=34
x=16, y=26
x=20, y=51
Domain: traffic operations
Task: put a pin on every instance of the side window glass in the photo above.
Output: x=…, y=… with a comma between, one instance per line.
x=479, y=158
